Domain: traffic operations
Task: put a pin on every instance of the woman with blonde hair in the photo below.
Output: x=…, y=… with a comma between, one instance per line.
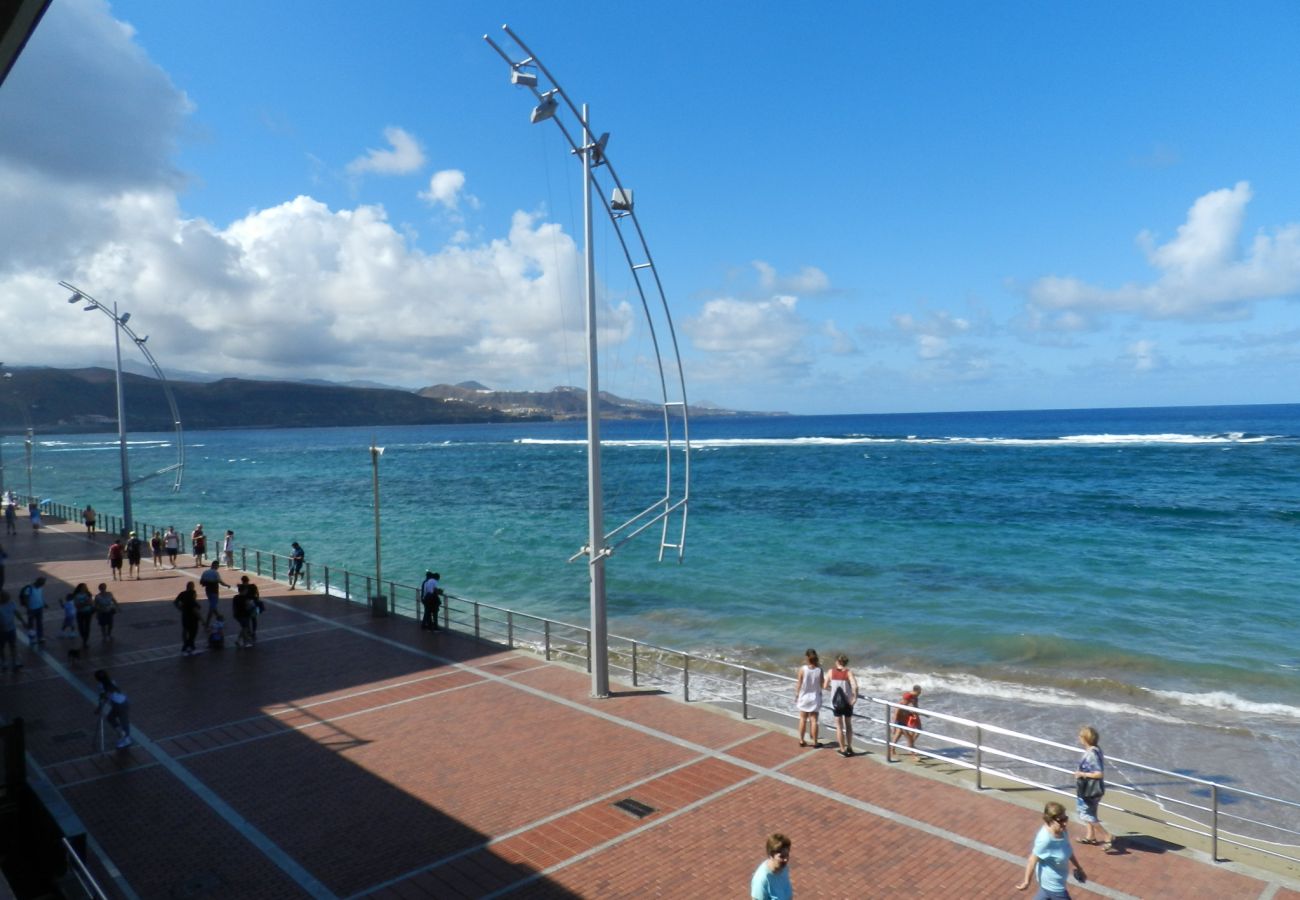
x=808, y=696
x=1090, y=787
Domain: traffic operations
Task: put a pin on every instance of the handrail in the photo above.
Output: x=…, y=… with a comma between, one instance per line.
x=82, y=873
x=749, y=688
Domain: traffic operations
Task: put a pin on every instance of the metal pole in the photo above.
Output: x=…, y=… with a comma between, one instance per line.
x=744, y=693
x=546, y=632
x=30, y=495
x=1214, y=822
x=598, y=658
x=686, y=677
x=375, y=453
x=979, y=758
x=127, y=520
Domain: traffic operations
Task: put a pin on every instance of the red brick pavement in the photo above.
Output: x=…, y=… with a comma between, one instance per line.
x=349, y=756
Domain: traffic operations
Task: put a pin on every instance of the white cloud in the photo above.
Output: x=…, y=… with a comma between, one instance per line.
x=750, y=338
x=809, y=280
x=404, y=157
x=447, y=189
x=1144, y=356
x=1203, y=276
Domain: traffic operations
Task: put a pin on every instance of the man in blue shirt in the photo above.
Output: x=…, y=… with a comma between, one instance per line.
x=771, y=879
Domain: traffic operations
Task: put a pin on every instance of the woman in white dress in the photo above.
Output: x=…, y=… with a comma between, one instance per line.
x=808, y=696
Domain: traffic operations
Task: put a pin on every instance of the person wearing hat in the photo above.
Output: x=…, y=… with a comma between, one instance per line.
x=431, y=598
x=133, y=547
x=907, y=722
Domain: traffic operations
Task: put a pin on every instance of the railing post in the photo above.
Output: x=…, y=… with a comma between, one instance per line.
x=273, y=557
x=476, y=620
x=391, y=602
x=588, y=651
x=510, y=629
x=308, y=575
x=259, y=562
x=546, y=646
x=446, y=613
x=327, y=581
x=243, y=558
x=889, y=751
x=979, y=758
x=347, y=585
x=1214, y=822
x=744, y=693
x=634, y=664
x=686, y=677
x=368, y=594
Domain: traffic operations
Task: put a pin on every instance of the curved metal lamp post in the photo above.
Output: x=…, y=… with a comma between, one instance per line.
x=528, y=72
x=119, y=325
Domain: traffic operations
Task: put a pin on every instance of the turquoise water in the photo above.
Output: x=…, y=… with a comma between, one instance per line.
x=1134, y=568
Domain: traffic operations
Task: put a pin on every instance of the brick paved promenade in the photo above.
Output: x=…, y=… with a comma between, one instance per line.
x=348, y=756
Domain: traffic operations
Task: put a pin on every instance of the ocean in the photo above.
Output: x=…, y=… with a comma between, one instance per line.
x=1135, y=569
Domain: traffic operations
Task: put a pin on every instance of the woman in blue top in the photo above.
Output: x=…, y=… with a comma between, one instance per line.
x=1052, y=857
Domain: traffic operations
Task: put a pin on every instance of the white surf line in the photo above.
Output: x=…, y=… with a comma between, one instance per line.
x=263, y=842
x=537, y=823
x=953, y=837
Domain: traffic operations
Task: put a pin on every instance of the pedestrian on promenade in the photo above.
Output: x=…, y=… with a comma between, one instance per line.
x=11, y=515
x=172, y=544
x=228, y=549
x=1090, y=787
x=843, y=687
x=4, y=557
x=240, y=609
x=771, y=879
x=115, y=554
x=907, y=722
x=84, y=605
x=255, y=605
x=187, y=601
x=69, y=627
x=297, y=558
x=105, y=612
x=10, y=619
x=133, y=547
x=1052, y=857
x=34, y=513
x=88, y=516
x=430, y=599
x=808, y=696
x=115, y=707
x=199, y=544
x=212, y=585
x=33, y=599
x=156, y=549
x=217, y=633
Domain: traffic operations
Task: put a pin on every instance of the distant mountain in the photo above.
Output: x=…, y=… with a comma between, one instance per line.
x=562, y=402
x=85, y=400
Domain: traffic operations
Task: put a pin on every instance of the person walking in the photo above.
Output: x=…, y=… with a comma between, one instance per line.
x=199, y=544
x=771, y=879
x=187, y=601
x=10, y=619
x=1090, y=787
x=172, y=544
x=4, y=558
x=105, y=612
x=808, y=696
x=11, y=516
x=255, y=605
x=907, y=722
x=241, y=610
x=156, y=549
x=33, y=599
x=212, y=585
x=114, y=706
x=843, y=687
x=133, y=548
x=430, y=599
x=84, y=604
x=69, y=628
x=297, y=559
x=34, y=513
x=1052, y=857
x=228, y=549
x=88, y=517
x=115, y=555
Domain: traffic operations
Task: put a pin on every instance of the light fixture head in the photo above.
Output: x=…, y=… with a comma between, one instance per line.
x=522, y=78
x=91, y=308
x=75, y=298
x=546, y=109
x=622, y=199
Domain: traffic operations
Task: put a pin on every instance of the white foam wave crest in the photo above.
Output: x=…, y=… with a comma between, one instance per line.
x=885, y=684
x=1228, y=701
x=90, y=447
x=1069, y=440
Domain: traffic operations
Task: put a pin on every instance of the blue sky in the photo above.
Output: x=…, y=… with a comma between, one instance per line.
x=865, y=207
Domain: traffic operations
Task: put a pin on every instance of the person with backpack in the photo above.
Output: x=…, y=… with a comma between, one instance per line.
x=431, y=598
x=84, y=604
x=10, y=618
x=32, y=598
x=133, y=547
x=843, y=687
